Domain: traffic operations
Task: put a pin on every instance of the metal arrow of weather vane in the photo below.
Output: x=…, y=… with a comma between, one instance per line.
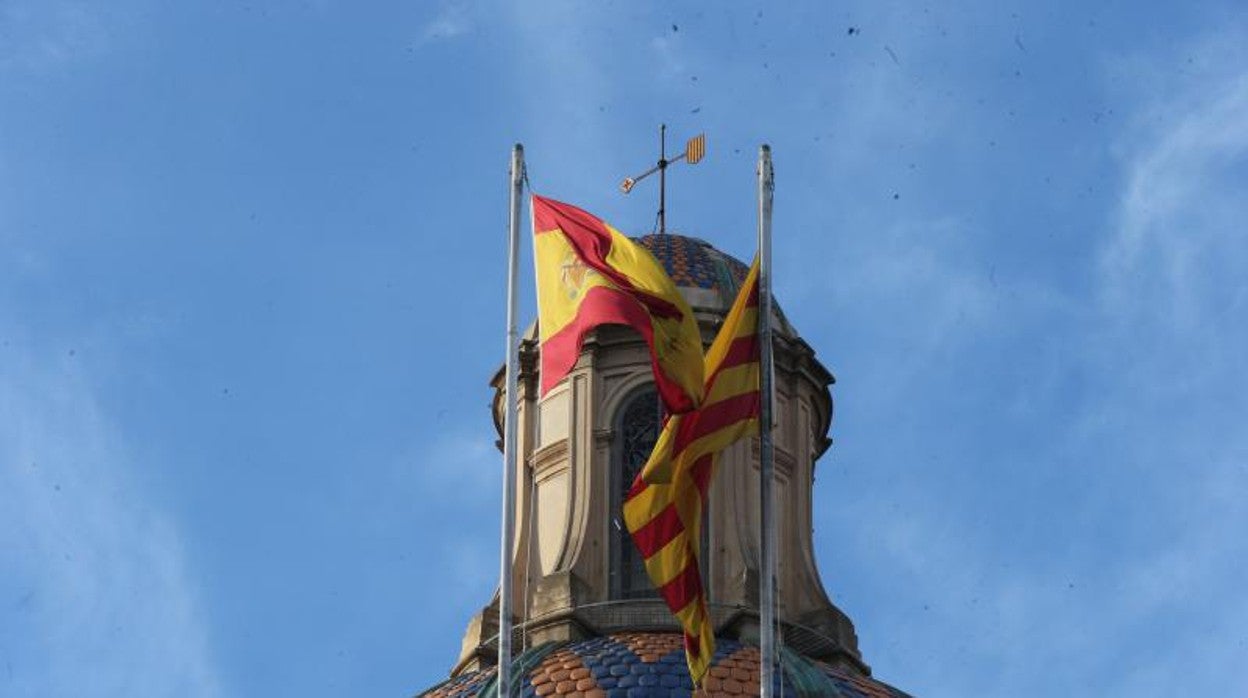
x=694, y=150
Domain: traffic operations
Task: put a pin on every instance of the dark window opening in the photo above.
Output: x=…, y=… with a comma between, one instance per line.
x=636, y=430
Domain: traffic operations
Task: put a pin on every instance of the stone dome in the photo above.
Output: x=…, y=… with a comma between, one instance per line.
x=652, y=665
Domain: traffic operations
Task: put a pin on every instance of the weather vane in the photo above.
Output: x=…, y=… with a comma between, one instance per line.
x=694, y=150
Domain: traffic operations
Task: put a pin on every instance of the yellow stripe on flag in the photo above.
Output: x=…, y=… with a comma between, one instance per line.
x=732, y=382
x=668, y=478
x=670, y=561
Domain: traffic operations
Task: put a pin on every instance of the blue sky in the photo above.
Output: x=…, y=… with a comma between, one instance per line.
x=251, y=294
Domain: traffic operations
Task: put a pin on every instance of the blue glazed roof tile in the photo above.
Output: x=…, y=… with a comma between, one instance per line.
x=652, y=665
x=695, y=263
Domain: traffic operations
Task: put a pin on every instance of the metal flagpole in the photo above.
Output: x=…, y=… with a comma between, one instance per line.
x=662, y=179
x=766, y=464
x=509, y=427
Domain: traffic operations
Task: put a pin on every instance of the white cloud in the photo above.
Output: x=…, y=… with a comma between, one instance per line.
x=1126, y=622
x=1173, y=288
x=42, y=35
x=1180, y=241
x=464, y=460
x=97, y=598
x=569, y=74
x=453, y=20
x=1126, y=578
x=668, y=56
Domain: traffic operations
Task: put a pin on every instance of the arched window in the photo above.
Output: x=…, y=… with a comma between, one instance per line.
x=636, y=430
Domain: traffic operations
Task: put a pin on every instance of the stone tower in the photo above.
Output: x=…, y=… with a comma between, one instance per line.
x=588, y=620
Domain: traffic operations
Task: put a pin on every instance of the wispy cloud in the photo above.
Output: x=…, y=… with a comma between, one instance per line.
x=1071, y=619
x=668, y=56
x=568, y=85
x=1180, y=238
x=97, y=597
x=453, y=19
x=43, y=35
x=458, y=477
x=1065, y=565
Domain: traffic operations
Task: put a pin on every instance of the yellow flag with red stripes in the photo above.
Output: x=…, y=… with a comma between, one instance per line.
x=663, y=509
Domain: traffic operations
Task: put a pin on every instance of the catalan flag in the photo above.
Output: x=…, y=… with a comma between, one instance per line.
x=589, y=274
x=663, y=510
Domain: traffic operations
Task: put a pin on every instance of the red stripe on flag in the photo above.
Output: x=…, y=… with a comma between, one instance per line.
x=701, y=472
x=693, y=646
x=638, y=486
x=659, y=531
x=684, y=588
x=601, y=305
x=605, y=306
x=716, y=416
x=743, y=350
x=550, y=215
x=591, y=240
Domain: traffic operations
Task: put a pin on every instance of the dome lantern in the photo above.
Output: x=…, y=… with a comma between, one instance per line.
x=580, y=591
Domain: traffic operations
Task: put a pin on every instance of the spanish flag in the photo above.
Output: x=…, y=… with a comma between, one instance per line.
x=589, y=274
x=663, y=510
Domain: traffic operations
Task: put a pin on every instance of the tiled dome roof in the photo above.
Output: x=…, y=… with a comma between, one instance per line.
x=652, y=665
x=695, y=263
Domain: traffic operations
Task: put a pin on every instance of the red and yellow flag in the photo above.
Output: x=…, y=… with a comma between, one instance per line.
x=663, y=510
x=589, y=274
